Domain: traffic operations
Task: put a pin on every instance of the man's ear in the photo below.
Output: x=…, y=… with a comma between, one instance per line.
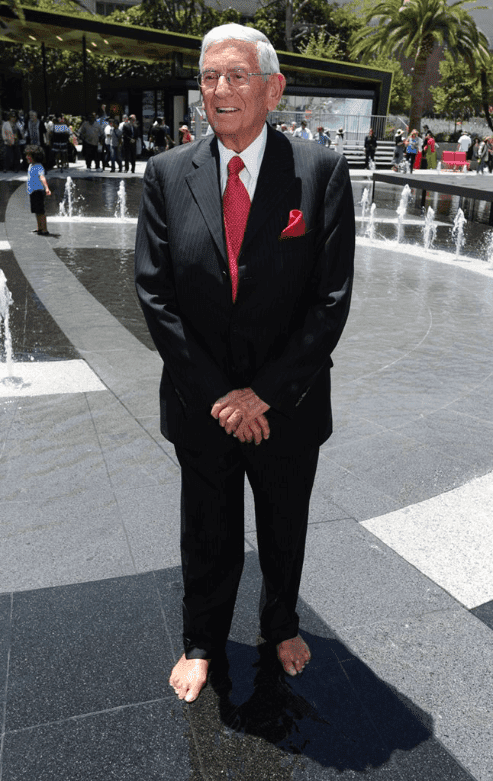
x=276, y=88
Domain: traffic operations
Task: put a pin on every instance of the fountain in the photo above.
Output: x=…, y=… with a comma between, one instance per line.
x=66, y=208
x=401, y=211
x=489, y=248
x=121, y=212
x=5, y=303
x=458, y=231
x=430, y=229
x=370, y=228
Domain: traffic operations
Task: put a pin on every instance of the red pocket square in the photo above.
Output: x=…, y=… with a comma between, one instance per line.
x=296, y=225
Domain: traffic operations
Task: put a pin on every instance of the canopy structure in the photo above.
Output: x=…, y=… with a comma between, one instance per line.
x=82, y=34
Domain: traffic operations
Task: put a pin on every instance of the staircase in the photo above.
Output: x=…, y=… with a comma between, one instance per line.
x=355, y=154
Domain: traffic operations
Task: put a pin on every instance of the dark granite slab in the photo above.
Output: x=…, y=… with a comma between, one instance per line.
x=87, y=696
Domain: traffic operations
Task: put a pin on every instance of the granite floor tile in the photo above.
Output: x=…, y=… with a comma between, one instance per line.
x=63, y=541
x=484, y=613
x=454, y=433
x=351, y=578
x=358, y=498
x=405, y=469
x=147, y=741
x=151, y=516
x=85, y=648
x=438, y=659
x=5, y=640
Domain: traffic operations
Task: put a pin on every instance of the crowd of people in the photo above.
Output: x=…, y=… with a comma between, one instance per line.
x=322, y=135
x=111, y=142
x=107, y=141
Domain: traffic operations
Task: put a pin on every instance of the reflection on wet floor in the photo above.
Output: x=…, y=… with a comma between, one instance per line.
x=35, y=335
x=477, y=232
x=95, y=197
x=108, y=274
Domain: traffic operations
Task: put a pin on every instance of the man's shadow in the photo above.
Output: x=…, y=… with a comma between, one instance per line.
x=337, y=713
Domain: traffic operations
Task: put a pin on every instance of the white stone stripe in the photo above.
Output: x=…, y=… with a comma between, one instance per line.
x=4, y=245
x=48, y=377
x=449, y=538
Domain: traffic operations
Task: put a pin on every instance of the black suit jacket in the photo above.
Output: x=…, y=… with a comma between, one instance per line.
x=293, y=294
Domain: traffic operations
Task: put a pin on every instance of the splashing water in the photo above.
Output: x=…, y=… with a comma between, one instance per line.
x=5, y=302
x=430, y=229
x=401, y=211
x=121, y=202
x=364, y=202
x=458, y=231
x=489, y=248
x=67, y=206
x=370, y=228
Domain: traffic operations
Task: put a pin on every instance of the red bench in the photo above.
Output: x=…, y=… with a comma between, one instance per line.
x=454, y=161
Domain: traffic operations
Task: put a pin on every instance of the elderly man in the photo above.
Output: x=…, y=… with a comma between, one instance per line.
x=244, y=259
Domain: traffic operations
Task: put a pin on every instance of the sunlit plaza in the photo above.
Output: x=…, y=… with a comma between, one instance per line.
x=396, y=599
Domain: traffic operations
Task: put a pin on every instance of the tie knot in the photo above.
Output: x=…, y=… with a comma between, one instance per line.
x=235, y=165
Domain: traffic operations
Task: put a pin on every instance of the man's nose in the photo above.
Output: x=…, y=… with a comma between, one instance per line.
x=223, y=84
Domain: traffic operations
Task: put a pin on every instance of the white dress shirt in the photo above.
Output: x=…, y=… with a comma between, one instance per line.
x=252, y=156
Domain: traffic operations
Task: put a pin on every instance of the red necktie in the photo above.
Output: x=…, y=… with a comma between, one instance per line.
x=236, y=205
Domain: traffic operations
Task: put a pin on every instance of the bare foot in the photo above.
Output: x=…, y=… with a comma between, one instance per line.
x=293, y=654
x=188, y=677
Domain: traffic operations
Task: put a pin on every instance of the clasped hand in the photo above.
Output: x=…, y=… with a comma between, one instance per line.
x=241, y=413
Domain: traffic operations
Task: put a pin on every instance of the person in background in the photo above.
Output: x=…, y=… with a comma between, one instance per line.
x=37, y=186
x=464, y=142
x=339, y=142
x=489, y=144
x=91, y=134
x=60, y=136
x=398, y=150
x=114, y=140
x=370, y=147
x=185, y=135
x=482, y=155
x=472, y=153
x=429, y=151
x=412, y=149
x=321, y=137
x=130, y=134
x=10, y=137
x=22, y=136
x=303, y=131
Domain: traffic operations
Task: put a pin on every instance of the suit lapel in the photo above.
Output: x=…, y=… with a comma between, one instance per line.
x=276, y=178
x=204, y=185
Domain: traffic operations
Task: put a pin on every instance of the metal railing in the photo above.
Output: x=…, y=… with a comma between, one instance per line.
x=355, y=126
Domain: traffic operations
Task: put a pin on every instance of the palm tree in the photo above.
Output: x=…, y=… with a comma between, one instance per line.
x=411, y=28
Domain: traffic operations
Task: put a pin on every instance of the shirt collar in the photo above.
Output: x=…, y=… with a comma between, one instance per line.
x=252, y=156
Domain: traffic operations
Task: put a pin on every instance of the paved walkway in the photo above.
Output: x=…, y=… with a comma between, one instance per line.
x=397, y=593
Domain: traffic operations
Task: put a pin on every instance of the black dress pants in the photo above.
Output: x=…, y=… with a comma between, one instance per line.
x=212, y=538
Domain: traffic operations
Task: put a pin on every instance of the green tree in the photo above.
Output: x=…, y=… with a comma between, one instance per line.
x=412, y=28
x=290, y=24
x=458, y=94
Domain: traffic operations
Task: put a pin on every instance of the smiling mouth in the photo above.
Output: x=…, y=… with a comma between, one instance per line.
x=226, y=110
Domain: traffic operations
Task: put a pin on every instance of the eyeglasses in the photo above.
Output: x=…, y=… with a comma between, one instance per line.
x=237, y=78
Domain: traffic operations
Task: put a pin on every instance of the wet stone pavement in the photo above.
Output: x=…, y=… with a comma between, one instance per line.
x=396, y=600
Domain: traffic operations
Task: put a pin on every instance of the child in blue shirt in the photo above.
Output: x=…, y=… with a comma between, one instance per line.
x=37, y=186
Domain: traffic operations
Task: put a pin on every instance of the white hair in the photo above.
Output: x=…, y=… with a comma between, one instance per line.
x=266, y=54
